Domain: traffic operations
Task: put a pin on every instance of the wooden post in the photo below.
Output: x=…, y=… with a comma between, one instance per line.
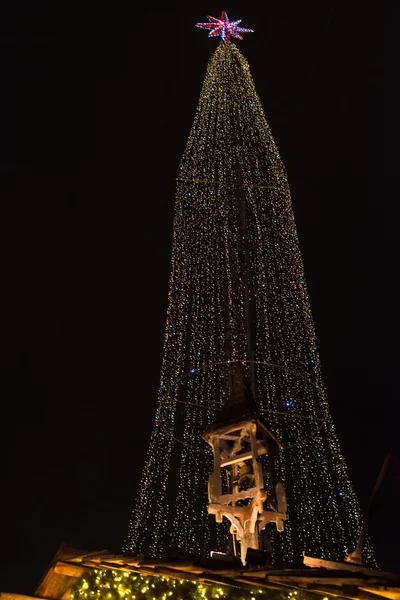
x=215, y=490
x=259, y=484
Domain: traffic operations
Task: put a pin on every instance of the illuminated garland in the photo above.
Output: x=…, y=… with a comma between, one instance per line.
x=106, y=584
x=231, y=174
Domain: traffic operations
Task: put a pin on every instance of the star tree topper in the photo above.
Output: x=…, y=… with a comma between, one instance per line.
x=224, y=27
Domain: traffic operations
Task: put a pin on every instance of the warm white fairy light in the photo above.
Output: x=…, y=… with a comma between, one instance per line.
x=231, y=164
x=109, y=584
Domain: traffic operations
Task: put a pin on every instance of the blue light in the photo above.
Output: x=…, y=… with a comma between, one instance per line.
x=193, y=370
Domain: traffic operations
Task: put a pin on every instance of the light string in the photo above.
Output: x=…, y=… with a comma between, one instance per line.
x=231, y=164
x=112, y=584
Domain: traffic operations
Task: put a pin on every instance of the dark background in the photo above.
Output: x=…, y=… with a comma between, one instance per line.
x=96, y=104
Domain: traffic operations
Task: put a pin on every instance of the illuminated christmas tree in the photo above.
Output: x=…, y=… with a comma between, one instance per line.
x=238, y=294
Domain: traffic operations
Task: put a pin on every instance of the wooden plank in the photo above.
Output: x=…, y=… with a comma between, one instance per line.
x=108, y=565
x=191, y=568
x=12, y=596
x=358, y=581
x=63, y=568
x=231, y=427
x=165, y=563
x=310, y=561
x=225, y=450
x=387, y=592
x=350, y=592
x=175, y=574
x=131, y=563
x=250, y=493
x=324, y=590
x=261, y=584
x=238, y=457
x=98, y=553
x=214, y=578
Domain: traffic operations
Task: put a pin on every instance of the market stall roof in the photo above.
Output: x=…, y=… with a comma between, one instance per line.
x=344, y=580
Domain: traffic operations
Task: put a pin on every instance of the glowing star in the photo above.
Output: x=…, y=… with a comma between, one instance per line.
x=224, y=27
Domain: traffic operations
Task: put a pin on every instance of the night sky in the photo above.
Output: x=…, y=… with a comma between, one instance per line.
x=97, y=100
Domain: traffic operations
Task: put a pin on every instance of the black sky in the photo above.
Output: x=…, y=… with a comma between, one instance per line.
x=96, y=104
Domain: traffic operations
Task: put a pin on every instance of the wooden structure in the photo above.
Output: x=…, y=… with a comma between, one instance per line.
x=238, y=438
x=340, y=580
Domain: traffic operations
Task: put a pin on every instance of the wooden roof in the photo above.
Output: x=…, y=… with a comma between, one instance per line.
x=65, y=570
x=342, y=580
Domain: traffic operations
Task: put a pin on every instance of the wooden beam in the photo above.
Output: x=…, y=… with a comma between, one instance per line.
x=250, y=493
x=329, y=580
x=318, y=563
x=12, y=596
x=225, y=450
x=349, y=592
x=262, y=584
x=164, y=562
x=175, y=574
x=214, y=578
x=226, y=429
x=245, y=456
x=340, y=580
x=386, y=591
x=63, y=568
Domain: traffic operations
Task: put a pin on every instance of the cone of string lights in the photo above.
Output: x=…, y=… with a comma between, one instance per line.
x=237, y=292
